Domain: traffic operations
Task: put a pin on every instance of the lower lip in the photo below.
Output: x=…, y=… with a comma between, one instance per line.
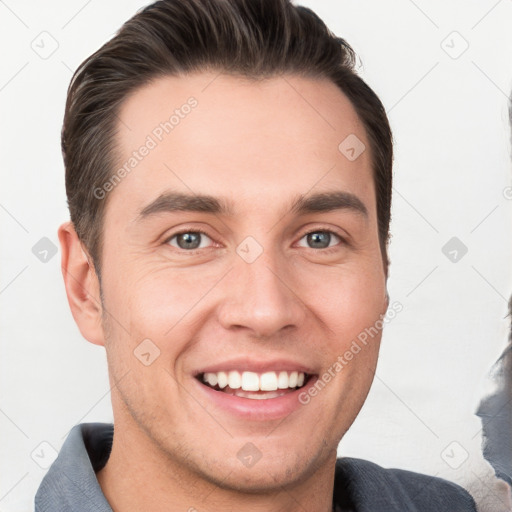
x=253, y=409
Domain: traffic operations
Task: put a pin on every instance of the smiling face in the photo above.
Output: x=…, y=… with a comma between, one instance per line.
x=241, y=249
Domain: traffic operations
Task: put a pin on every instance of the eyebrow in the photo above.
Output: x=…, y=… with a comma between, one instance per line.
x=319, y=202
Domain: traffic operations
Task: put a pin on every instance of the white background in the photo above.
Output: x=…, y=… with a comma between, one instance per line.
x=450, y=122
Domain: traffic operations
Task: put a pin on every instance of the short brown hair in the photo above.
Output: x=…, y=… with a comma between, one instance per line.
x=250, y=38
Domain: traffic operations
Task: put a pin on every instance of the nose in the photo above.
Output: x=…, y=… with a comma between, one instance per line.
x=260, y=298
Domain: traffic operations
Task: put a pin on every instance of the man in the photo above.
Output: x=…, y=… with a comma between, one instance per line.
x=229, y=183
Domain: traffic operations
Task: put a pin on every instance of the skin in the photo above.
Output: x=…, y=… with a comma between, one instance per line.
x=257, y=145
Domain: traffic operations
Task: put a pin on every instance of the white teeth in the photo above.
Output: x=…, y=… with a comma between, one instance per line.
x=234, y=380
x=258, y=396
x=251, y=381
x=222, y=379
x=282, y=381
x=211, y=378
x=268, y=381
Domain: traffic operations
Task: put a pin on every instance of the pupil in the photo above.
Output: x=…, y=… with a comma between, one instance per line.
x=189, y=240
x=320, y=239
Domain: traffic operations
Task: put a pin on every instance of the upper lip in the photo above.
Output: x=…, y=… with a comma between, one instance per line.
x=249, y=364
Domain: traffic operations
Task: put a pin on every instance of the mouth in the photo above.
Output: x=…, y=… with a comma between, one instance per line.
x=255, y=386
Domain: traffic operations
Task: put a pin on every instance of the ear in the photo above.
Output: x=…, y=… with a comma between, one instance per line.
x=82, y=285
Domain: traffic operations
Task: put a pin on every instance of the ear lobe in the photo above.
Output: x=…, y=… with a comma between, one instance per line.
x=82, y=285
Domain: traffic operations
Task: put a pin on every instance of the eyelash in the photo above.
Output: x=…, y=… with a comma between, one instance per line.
x=343, y=241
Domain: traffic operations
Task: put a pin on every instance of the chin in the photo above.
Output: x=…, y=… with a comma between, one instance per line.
x=259, y=480
x=287, y=468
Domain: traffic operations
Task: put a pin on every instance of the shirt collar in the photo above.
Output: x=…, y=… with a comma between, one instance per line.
x=71, y=482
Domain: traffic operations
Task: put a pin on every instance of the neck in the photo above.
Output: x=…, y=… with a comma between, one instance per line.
x=140, y=476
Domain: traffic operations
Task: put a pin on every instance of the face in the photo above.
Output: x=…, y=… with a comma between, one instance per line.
x=241, y=247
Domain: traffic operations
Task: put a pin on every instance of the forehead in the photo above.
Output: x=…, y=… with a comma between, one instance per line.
x=216, y=134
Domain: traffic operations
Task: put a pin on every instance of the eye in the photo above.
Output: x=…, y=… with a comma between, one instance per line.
x=189, y=240
x=320, y=239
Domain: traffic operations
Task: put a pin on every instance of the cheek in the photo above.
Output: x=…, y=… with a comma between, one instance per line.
x=147, y=316
x=158, y=305
x=347, y=300
x=151, y=301
x=173, y=293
